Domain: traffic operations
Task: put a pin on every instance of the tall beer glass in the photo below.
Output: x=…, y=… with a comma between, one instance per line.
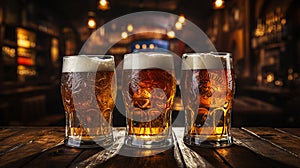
x=88, y=89
x=148, y=88
x=207, y=88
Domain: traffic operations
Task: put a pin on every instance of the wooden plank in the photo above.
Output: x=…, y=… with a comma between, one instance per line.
x=85, y=155
x=280, y=139
x=211, y=156
x=7, y=132
x=129, y=157
x=14, y=142
x=253, y=147
x=270, y=155
x=190, y=157
x=160, y=160
x=239, y=156
x=63, y=156
x=59, y=156
x=115, y=156
x=22, y=148
x=292, y=131
x=91, y=159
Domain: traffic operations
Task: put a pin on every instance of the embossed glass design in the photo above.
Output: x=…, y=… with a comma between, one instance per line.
x=207, y=87
x=148, y=88
x=88, y=89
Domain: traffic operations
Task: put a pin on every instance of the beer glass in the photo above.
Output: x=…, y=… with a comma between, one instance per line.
x=88, y=89
x=148, y=88
x=207, y=88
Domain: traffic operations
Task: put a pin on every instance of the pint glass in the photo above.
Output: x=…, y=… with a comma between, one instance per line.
x=88, y=89
x=148, y=88
x=207, y=88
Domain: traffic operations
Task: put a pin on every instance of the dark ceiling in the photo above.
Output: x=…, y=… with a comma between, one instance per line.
x=75, y=11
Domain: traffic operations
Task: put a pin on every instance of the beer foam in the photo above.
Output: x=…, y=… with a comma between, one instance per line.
x=144, y=60
x=205, y=61
x=87, y=63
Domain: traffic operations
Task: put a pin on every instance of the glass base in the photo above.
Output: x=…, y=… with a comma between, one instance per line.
x=148, y=143
x=91, y=142
x=208, y=142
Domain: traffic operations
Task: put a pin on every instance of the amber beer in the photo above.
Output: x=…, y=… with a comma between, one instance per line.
x=207, y=94
x=88, y=88
x=148, y=91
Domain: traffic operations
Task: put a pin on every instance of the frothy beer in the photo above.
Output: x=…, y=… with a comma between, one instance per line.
x=88, y=88
x=207, y=94
x=148, y=92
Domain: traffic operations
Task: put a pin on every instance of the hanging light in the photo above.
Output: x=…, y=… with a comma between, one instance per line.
x=137, y=46
x=103, y=5
x=219, y=4
x=144, y=46
x=171, y=34
x=151, y=46
x=129, y=28
x=91, y=20
x=181, y=19
x=124, y=35
x=92, y=23
x=178, y=26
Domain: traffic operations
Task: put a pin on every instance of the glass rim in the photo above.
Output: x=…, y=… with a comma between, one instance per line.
x=213, y=53
x=90, y=55
x=150, y=53
x=207, y=60
x=146, y=60
x=88, y=63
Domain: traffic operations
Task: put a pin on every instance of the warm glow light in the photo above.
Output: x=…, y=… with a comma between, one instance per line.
x=270, y=78
x=124, y=35
x=103, y=2
x=91, y=23
x=25, y=38
x=171, y=34
x=130, y=28
x=181, y=19
x=151, y=46
x=24, y=71
x=218, y=4
x=144, y=46
x=11, y=52
x=219, y=130
x=178, y=26
x=278, y=83
x=103, y=5
x=137, y=46
x=23, y=43
x=283, y=21
x=54, y=50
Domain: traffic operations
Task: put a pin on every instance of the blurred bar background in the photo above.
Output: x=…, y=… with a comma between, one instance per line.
x=262, y=35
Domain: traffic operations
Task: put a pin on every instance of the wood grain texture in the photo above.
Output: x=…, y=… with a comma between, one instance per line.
x=295, y=132
x=271, y=155
x=279, y=139
x=21, y=148
x=59, y=156
x=253, y=147
x=191, y=158
x=105, y=154
x=7, y=132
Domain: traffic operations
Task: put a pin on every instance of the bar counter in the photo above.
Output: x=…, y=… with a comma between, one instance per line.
x=253, y=147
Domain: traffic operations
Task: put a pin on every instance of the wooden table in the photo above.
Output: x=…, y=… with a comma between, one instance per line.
x=253, y=147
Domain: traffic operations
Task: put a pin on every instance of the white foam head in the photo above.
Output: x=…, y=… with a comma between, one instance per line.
x=206, y=61
x=88, y=63
x=144, y=60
